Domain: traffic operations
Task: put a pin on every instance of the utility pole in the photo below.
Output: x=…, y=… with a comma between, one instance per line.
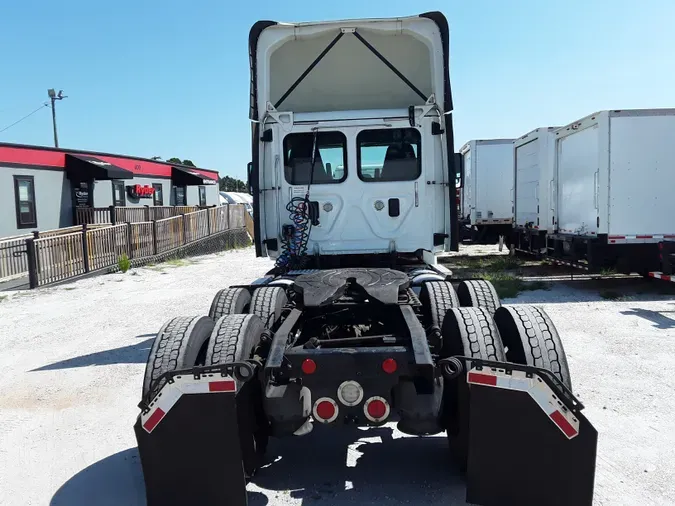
x=54, y=97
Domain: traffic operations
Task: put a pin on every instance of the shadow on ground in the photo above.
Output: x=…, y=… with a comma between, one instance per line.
x=113, y=481
x=658, y=318
x=587, y=289
x=116, y=480
x=132, y=354
x=315, y=468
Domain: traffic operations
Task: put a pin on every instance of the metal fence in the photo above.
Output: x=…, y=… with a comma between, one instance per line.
x=55, y=255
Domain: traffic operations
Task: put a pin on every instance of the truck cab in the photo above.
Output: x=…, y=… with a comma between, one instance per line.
x=369, y=99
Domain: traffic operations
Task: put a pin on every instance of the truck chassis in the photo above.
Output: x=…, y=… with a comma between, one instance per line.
x=364, y=346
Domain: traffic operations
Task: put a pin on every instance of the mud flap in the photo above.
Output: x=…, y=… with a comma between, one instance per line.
x=526, y=447
x=189, y=443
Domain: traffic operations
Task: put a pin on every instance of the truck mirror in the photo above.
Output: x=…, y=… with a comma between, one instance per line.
x=249, y=170
x=459, y=170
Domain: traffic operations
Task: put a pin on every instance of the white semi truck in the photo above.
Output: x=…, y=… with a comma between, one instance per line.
x=353, y=179
x=612, y=190
x=487, y=188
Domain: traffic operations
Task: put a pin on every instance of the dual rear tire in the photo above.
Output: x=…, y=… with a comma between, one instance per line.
x=231, y=333
x=486, y=330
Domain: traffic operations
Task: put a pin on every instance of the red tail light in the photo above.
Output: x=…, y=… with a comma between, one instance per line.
x=376, y=409
x=389, y=366
x=325, y=410
x=309, y=366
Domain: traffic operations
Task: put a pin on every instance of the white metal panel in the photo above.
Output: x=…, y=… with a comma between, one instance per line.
x=350, y=76
x=493, y=162
x=534, y=185
x=527, y=168
x=467, y=190
x=642, y=175
x=578, y=157
x=353, y=223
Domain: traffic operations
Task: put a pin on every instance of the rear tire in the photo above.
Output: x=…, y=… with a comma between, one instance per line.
x=235, y=338
x=267, y=303
x=177, y=346
x=230, y=301
x=436, y=298
x=471, y=331
x=531, y=339
x=478, y=293
x=468, y=331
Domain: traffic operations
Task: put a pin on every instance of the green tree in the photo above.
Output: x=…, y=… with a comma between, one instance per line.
x=181, y=162
x=232, y=184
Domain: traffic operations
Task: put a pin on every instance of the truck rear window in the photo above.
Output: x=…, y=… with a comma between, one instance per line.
x=389, y=155
x=330, y=165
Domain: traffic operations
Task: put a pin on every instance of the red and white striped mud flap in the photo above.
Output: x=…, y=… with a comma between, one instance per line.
x=525, y=447
x=189, y=445
x=662, y=276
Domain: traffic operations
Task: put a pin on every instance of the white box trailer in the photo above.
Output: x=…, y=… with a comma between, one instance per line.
x=487, y=185
x=533, y=184
x=613, y=190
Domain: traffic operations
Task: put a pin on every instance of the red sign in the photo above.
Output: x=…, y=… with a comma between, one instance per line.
x=140, y=192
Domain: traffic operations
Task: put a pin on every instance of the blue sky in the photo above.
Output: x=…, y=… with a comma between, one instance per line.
x=170, y=78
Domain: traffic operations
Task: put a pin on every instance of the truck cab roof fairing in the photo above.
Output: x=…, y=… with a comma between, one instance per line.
x=350, y=76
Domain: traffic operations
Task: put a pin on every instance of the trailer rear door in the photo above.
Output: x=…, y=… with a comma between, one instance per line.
x=578, y=169
x=526, y=197
x=642, y=175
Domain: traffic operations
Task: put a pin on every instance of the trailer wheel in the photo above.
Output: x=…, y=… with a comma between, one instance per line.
x=230, y=301
x=178, y=345
x=478, y=293
x=267, y=302
x=234, y=339
x=468, y=331
x=531, y=339
x=436, y=298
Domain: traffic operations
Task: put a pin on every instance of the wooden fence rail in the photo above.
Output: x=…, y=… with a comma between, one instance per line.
x=92, y=215
x=13, y=260
x=55, y=255
x=196, y=225
x=141, y=239
x=59, y=257
x=169, y=234
x=218, y=219
x=106, y=245
x=114, y=215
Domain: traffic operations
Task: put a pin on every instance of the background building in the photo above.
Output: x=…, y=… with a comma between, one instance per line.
x=41, y=187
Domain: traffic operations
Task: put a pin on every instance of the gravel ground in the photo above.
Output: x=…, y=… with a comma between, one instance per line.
x=73, y=358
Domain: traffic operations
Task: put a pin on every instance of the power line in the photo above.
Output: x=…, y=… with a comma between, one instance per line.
x=25, y=117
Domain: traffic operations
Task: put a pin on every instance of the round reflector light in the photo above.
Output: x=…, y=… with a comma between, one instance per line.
x=376, y=409
x=389, y=366
x=325, y=410
x=308, y=366
x=350, y=393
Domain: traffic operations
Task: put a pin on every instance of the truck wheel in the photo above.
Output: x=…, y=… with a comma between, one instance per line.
x=178, y=345
x=436, y=298
x=267, y=302
x=471, y=331
x=478, y=293
x=234, y=339
x=230, y=301
x=468, y=331
x=531, y=339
